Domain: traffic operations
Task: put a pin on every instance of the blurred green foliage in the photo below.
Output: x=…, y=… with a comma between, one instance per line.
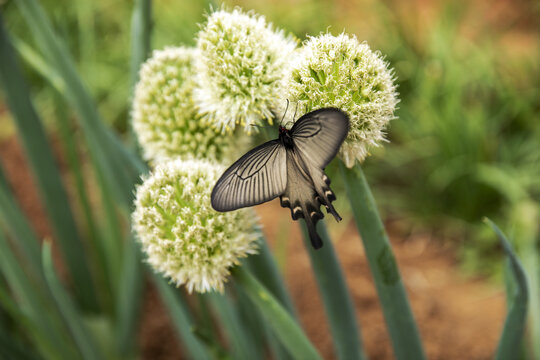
x=466, y=141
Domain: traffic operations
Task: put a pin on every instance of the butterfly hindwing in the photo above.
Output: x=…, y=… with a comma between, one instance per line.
x=319, y=135
x=257, y=177
x=300, y=196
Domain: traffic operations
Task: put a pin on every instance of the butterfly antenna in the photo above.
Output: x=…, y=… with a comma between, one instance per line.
x=283, y=117
x=295, y=109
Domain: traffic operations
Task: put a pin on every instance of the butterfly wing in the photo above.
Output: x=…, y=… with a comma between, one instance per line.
x=319, y=135
x=257, y=177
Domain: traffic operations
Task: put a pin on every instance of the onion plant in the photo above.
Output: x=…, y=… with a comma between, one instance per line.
x=192, y=111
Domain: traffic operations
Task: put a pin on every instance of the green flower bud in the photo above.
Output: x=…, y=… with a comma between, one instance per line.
x=164, y=116
x=242, y=60
x=338, y=71
x=182, y=236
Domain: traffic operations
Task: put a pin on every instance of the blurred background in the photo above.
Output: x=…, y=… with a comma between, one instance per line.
x=465, y=143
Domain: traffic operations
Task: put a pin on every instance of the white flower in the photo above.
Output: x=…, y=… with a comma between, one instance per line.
x=338, y=71
x=242, y=60
x=183, y=237
x=164, y=116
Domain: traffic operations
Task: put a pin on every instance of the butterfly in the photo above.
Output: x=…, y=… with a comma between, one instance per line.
x=291, y=167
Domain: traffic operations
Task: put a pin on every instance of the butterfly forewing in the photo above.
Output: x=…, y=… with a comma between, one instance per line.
x=319, y=134
x=257, y=177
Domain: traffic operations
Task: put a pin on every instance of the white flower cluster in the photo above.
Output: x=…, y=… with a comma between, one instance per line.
x=183, y=237
x=242, y=61
x=338, y=71
x=164, y=116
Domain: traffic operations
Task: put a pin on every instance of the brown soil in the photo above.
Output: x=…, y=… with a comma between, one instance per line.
x=458, y=317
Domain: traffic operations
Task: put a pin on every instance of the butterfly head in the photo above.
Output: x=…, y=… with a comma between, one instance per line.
x=285, y=137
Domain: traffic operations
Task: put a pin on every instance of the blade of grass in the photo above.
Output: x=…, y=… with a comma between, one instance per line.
x=141, y=27
x=532, y=264
x=12, y=347
x=390, y=288
x=44, y=326
x=335, y=295
x=205, y=328
x=24, y=238
x=514, y=325
x=252, y=321
x=36, y=62
x=129, y=298
x=263, y=266
x=119, y=167
x=234, y=330
x=86, y=344
x=46, y=173
x=181, y=319
x=131, y=286
x=282, y=324
x=94, y=235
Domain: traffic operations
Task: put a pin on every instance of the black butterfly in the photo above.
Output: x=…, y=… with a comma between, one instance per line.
x=291, y=167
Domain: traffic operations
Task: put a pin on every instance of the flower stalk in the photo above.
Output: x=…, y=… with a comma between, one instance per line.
x=284, y=326
x=382, y=263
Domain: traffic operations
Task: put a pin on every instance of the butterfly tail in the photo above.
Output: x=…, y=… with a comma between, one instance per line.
x=326, y=196
x=330, y=209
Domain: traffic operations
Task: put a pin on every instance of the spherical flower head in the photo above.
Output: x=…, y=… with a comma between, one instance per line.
x=164, y=116
x=242, y=60
x=182, y=236
x=338, y=71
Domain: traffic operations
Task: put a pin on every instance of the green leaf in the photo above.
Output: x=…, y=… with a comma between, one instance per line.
x=514, y=325
x=335, y=295
x=119, y=166
x=43, y=325
x=129, y=298
x=181, y=320
x=262, y=265
x=279, y=320
x=234, y=329
x=46, y=172
x=95, y=237
x=131, y=286
x=82, y=337
x=15, y=224
x=396, y=309
x=141, y=26
x=13, y=348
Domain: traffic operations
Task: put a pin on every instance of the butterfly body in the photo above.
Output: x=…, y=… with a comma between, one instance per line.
x=291, y=167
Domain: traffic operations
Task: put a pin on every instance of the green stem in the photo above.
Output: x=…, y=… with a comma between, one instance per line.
x=283, y=325
x=264, y=268
x=238, y=337
x=181, y=319
x=141, y=28
x=382, y=263
x=335, y=295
